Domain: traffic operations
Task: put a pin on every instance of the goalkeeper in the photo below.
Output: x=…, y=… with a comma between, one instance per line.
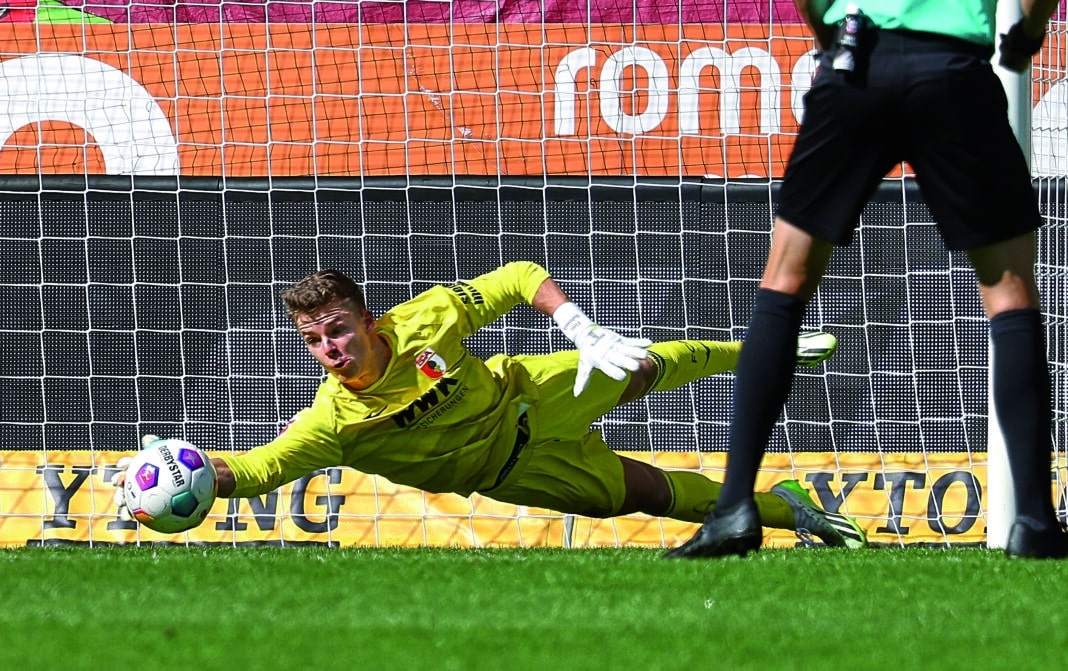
x=405, y=399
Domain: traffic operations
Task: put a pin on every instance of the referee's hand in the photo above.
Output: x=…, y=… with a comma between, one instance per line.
x=1017, y=47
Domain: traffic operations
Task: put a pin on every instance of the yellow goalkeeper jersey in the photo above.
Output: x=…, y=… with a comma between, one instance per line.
x=439, y=418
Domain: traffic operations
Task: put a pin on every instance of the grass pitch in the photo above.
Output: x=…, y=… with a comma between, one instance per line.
x=199, y=608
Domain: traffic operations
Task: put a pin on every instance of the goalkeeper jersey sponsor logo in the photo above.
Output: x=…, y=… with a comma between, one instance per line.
x=438, y=399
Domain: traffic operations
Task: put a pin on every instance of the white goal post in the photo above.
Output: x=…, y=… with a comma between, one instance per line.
x=1001, y=507
x=160, y=183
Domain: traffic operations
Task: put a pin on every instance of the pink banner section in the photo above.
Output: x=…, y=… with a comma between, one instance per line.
x=442, y=11
x=640, y=12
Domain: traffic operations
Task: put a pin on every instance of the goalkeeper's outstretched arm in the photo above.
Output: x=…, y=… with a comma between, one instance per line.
x=225, y=478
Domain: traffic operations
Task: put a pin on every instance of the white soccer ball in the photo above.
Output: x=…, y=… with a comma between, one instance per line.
x=170, y=486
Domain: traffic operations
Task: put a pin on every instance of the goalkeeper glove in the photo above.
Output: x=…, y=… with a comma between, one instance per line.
x=1017, y=47
x=119, y=479
x=598, y=347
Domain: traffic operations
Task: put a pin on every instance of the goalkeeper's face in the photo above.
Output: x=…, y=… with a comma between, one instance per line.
x=345, y=342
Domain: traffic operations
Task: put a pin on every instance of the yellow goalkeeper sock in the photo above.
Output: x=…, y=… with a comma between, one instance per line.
x=679, y=362
x=693, y=495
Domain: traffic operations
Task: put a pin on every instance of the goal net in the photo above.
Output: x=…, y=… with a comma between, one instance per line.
x=167, y=170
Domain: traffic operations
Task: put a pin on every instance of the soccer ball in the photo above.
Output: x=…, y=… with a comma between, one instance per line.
x=170, y=486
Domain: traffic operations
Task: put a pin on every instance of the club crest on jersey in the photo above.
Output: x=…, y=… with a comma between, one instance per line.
x=431, y=364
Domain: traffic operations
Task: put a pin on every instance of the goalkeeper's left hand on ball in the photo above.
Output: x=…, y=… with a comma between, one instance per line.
x=119, y=479
x=598, y=347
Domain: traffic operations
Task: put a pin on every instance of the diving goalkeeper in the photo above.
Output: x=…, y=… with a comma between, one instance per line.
x=405, y=399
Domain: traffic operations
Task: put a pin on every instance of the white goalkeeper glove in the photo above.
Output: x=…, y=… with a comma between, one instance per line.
x=598, y=347
x=119, y=479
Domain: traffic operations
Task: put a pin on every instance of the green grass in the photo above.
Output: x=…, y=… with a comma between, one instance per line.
x=306, y=608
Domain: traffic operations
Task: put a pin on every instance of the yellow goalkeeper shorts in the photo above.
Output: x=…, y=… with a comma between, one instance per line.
x=564, y=466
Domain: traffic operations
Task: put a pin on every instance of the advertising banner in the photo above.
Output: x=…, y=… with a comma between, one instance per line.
x=281, y=99
x=292, y=99
x=423, y=11
x=898, y=498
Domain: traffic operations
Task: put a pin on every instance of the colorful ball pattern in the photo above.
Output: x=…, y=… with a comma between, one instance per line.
x=170, y=486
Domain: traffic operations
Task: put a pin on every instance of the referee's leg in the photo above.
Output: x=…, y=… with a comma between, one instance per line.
x=1021, y=390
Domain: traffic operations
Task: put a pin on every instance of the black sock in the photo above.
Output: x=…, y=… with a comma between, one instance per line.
x=1022, y=402
x=763, y=378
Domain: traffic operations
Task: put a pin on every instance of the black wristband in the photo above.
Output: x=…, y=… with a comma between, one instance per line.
x=1017, y=41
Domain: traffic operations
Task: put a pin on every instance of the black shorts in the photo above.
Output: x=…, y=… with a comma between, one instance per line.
x=932, y=101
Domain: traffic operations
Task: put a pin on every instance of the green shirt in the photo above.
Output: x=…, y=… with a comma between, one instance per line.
x=971, y=20
x=439, y=419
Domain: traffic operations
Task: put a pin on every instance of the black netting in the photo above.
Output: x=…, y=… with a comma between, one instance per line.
x=132, y=313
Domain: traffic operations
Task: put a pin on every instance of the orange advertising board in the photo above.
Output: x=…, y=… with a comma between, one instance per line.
x=240, y=100
x=294, y=100
x=898, y=498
